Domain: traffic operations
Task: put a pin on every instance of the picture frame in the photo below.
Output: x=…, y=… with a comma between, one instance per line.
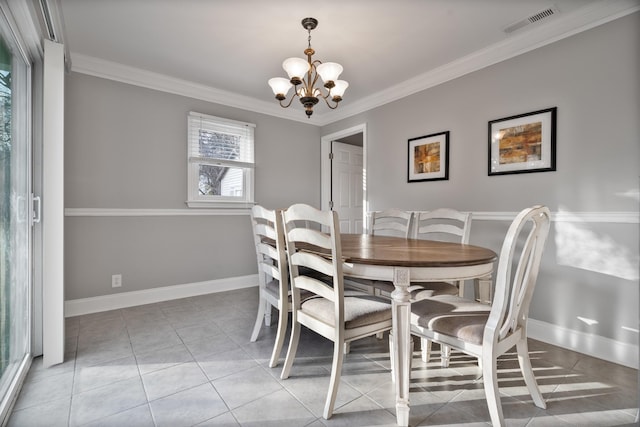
x=523, y=144
x=428, y=158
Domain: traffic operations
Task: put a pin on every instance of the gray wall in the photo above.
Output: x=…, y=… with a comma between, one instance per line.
x=590, y=269
x=125, y=148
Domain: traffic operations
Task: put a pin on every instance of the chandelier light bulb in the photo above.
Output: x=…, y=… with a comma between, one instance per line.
x=280, y=86
x=340, y=86
x=329, y=71
x=296, y=68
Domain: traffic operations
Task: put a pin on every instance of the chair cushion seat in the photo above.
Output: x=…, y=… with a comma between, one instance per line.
x=359, y=310
x=424, y=290
x=451, y=315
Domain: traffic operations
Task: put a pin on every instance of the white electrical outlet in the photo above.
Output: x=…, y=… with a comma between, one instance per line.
x=116, y=280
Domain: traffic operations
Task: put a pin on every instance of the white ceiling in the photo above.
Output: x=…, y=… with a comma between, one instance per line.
x=226, y=50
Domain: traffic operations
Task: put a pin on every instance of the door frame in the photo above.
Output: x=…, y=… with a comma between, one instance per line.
x=325, y=167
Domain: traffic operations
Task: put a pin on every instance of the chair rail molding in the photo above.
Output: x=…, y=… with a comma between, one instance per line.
x=71, y=212
x=561, y=216
x=564, y=216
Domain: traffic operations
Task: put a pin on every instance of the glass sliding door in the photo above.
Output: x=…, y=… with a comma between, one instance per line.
x=15, y=217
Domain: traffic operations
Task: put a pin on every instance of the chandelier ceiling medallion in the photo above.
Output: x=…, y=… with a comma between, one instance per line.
x=303, y=75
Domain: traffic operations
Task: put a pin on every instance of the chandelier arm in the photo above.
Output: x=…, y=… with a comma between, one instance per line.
x=312, y=66
x=326, y=99
x=290, y=99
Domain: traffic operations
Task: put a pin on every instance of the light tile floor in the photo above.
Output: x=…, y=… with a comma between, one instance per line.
x=189, y=362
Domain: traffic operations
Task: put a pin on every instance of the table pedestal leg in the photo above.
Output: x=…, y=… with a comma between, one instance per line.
x=401, y=339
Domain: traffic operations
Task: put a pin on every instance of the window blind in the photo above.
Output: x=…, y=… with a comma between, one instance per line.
x=217, y=141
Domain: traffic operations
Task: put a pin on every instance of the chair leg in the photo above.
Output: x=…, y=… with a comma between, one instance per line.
x=336, y=371
x=425, y=346
x=293, y=348
x=267, y=314
x=347, y=348
x=445, y=355
x=527, y=372
x=261, y=310
x=283, y=320
x=490, y=378
x=461, y=285
x=391, y=356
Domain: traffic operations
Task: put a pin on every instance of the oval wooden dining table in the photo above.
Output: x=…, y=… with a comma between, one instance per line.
x=402, y=261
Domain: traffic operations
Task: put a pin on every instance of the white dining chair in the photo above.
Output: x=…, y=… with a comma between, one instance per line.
x=390, y=222
x=338, y=315
x=447, y=225
x=487, y=331
x=273, y=280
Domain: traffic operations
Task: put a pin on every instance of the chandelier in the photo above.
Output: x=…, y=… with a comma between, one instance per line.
x=303, y=76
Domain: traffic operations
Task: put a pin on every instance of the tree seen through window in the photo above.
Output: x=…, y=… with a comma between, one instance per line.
x=215, y=145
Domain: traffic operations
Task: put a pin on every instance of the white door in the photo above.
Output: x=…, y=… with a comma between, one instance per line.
x=346, y=186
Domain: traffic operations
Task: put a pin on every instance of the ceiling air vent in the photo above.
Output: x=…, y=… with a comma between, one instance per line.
x=536, y=17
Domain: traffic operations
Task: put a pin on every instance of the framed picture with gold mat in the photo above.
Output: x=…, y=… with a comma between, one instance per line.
x=429, y=158
x=523, y=143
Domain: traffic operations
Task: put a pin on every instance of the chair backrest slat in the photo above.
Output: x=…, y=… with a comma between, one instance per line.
x=315, y=250
x=391, y=222
x=440, y=224
x=314, y=262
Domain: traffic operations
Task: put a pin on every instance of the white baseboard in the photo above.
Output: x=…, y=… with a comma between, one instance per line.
x=592, y=345
x=81, y=306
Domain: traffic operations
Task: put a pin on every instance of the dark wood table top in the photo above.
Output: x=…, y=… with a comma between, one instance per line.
x=397, y=251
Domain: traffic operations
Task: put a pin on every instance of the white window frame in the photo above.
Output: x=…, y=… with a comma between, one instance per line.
x=197, y=121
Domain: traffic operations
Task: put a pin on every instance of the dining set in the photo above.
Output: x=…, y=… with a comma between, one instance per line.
x=406, y=277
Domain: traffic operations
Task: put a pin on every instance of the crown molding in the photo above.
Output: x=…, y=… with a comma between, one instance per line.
x=518, y=43
x=541, y=35
x=151, y=80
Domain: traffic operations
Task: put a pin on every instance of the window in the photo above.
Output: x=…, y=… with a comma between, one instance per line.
x=15, y=216
x=221, y=164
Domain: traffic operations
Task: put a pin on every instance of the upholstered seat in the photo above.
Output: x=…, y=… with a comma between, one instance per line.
x=358, y=311
x=453, y=316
